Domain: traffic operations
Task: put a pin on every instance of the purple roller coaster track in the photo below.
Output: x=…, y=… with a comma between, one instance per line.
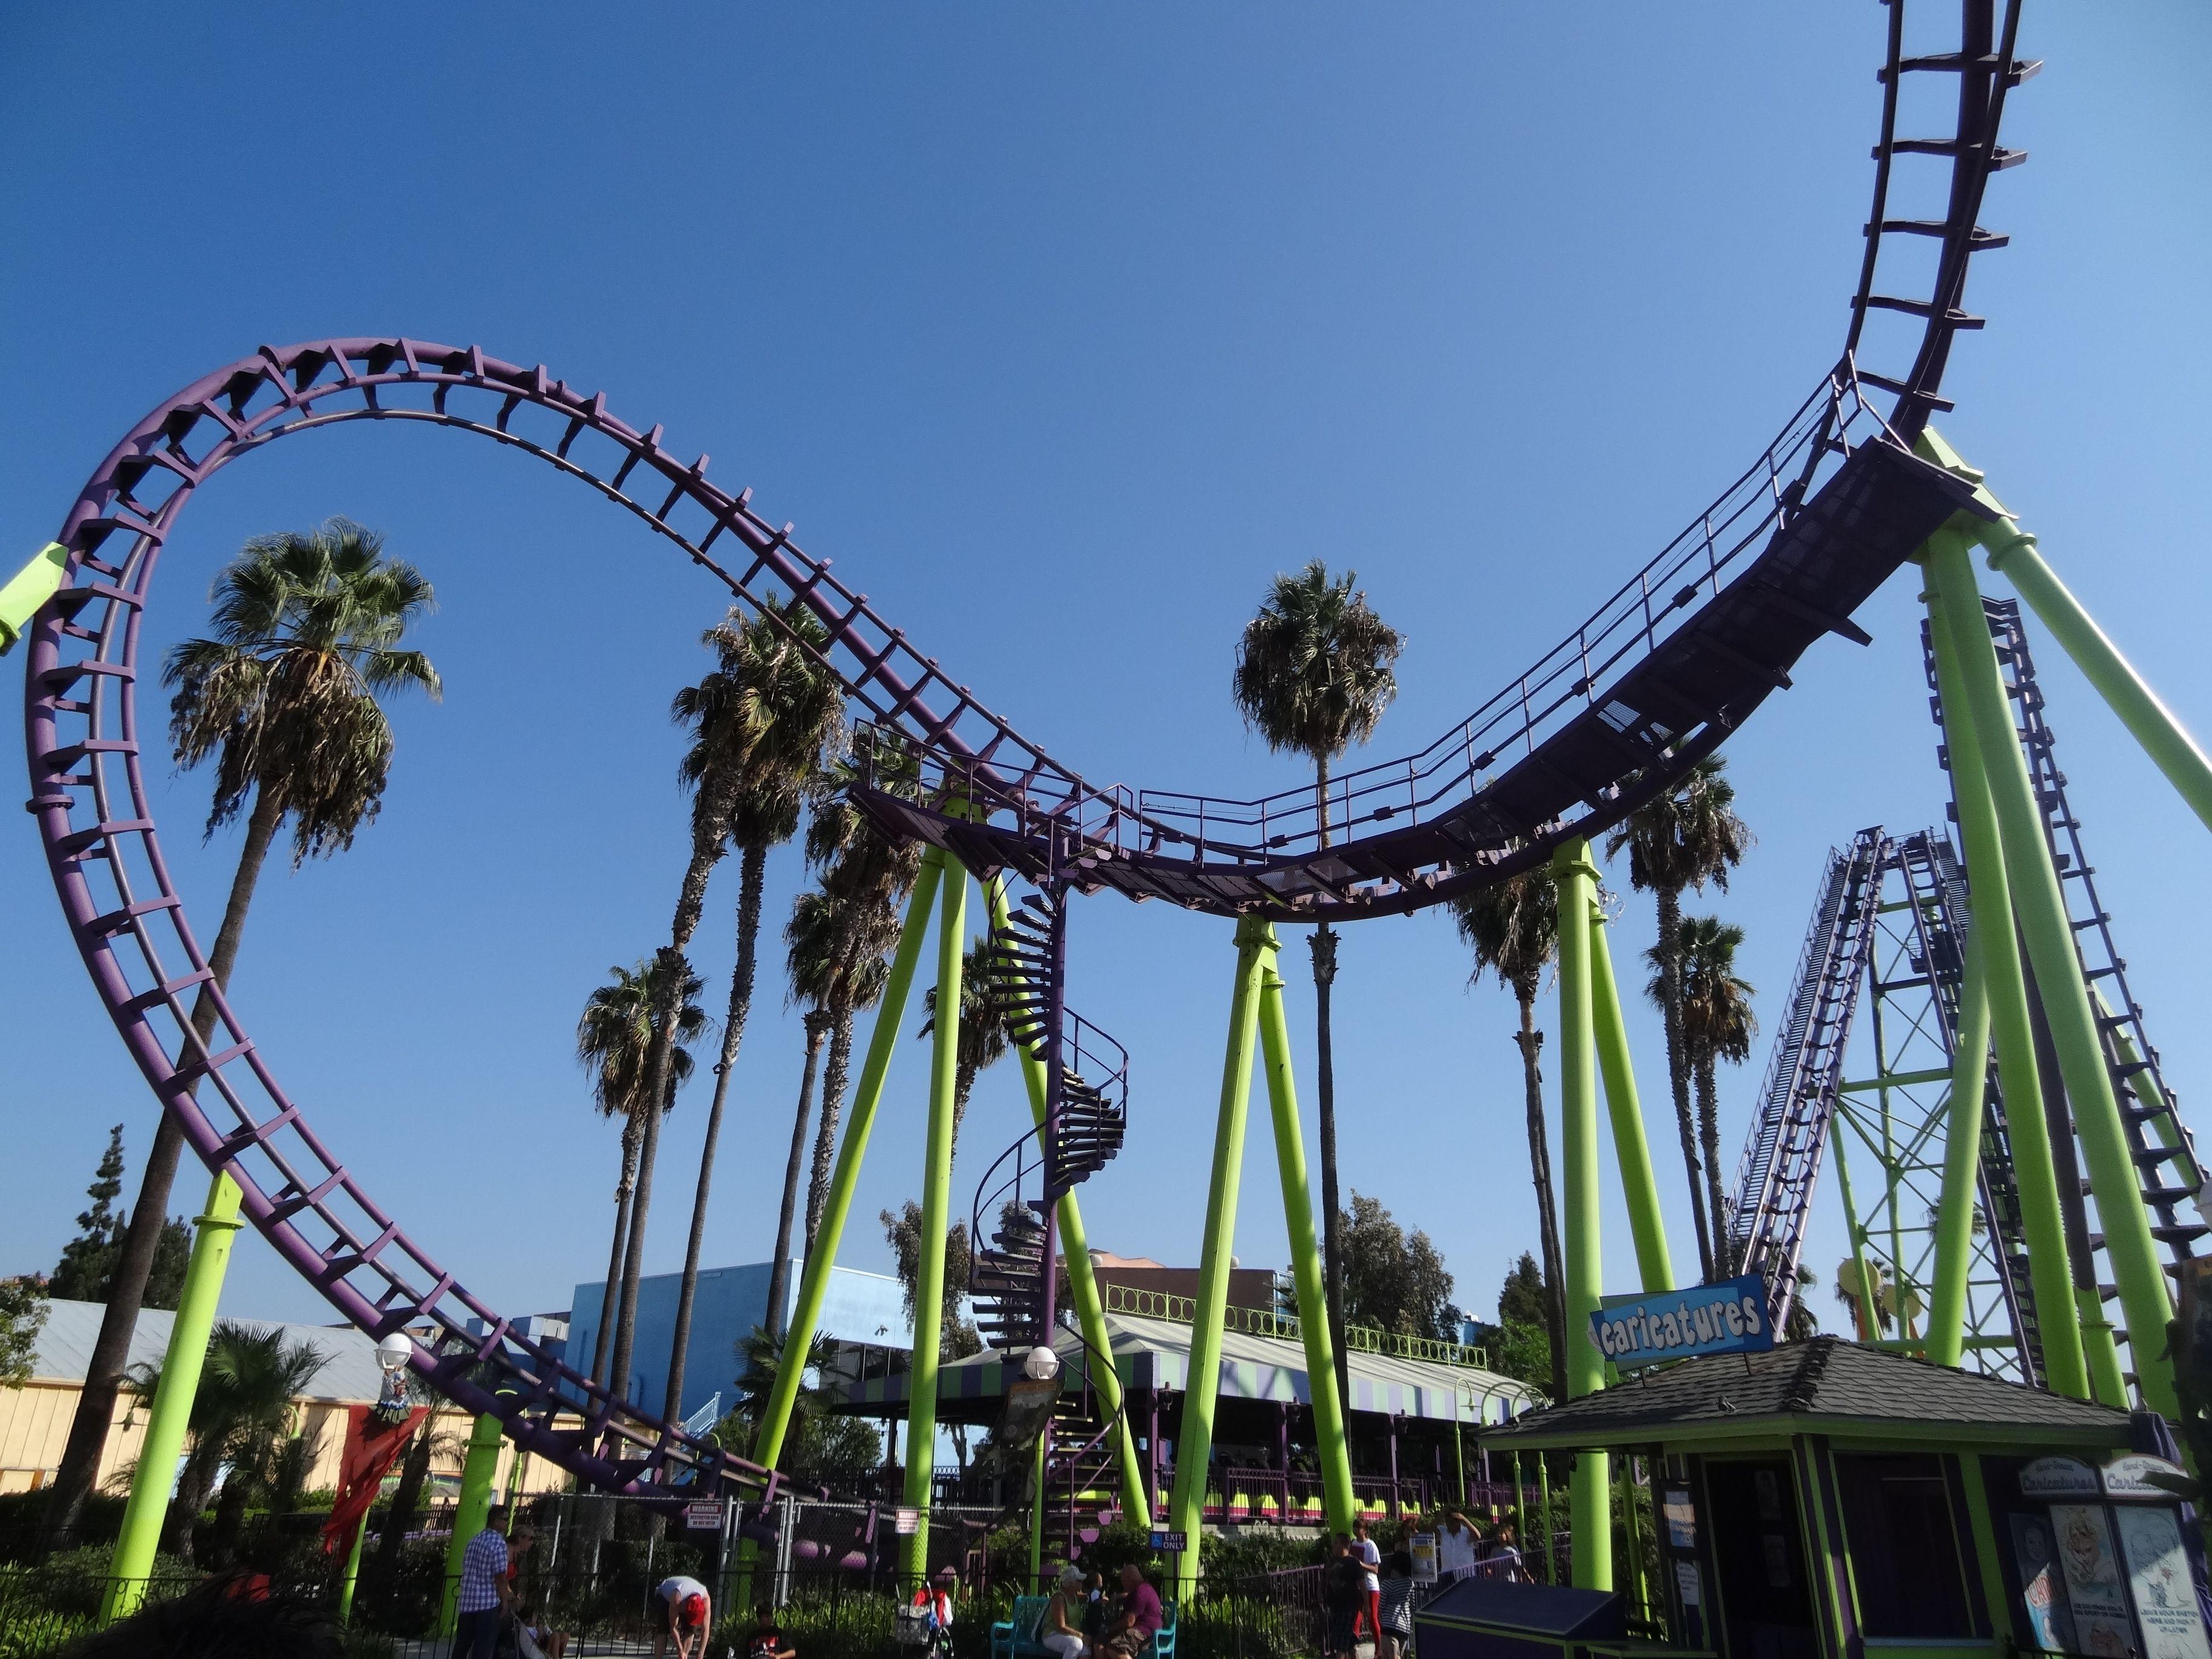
x=1676, y=659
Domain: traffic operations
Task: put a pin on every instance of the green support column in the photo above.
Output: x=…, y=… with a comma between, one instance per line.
x=1194, y=1433
x=1083, y=1285
x=2004, y=983
x=28, y=592
x=1037, y=1514
x=2013, y=554
x=1869, y=1301
x=1305, y=1253
x=1962, y=1162
x=1551, y=1533
x=814, y=1280
x=936, y=1215
x=1639, y=1186
x=169, y=1416
x=352, y=1571
x=1581, y=1195
x=2040, y=910
x=476, y=1472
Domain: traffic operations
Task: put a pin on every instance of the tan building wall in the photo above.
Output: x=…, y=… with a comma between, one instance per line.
x=34, y=1426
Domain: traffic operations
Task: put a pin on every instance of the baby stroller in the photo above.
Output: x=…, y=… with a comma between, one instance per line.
x=925, y=1624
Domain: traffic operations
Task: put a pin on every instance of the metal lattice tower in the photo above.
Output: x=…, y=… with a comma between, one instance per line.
x=1895, y=1107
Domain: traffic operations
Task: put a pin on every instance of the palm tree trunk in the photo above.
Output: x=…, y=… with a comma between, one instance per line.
x=1678, y=1065
x=833, y=1108
x=963, y=1085
x=690, y=900
x=127, y=1290
x=195, y=1485
x=1530, y=1041
x=779, y=1277
x=1323, y=946
x=1709, y=1132
x=673, y=969
x=752, y=868
x=405, y=1498
x=611, y=1295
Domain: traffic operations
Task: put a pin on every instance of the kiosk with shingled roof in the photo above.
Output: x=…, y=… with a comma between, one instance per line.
x=1827, y=1498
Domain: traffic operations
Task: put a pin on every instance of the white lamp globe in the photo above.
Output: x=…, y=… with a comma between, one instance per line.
x=393, y=1352
x=1041, y=1364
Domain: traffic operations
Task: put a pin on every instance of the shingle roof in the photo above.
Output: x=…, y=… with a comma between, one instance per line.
x=1826, y=1377
x=349, y=1372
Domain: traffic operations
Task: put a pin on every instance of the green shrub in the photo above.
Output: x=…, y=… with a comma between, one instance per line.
x=1224, y=1558
x=22, y=1518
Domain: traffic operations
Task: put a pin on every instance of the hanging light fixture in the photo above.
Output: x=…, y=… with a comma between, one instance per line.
x=393, y=1354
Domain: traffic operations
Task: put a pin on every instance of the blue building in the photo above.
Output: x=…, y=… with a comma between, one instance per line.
x=860, y=1312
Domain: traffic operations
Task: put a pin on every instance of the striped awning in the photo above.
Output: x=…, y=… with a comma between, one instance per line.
x=1155, y=1353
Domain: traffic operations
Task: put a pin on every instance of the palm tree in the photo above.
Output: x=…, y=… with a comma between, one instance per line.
x=983, y=1042
x=305, y=637
x=615, y=1042
x=1717, y=1025
x=1513, y=927
x=238, y=1418
x=863, y=877
x=760, y=721
x=1313, y=676
x=1685, y=836
x=818, y=1023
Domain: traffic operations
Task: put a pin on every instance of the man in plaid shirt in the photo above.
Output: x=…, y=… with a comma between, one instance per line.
x=485, y=1594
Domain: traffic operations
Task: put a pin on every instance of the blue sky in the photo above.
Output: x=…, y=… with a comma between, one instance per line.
x=1061, y=329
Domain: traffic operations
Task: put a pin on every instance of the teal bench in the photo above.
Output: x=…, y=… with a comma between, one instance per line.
x=1016, y=1637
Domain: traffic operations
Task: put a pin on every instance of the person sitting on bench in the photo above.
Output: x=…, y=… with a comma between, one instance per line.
x=1060, y=1630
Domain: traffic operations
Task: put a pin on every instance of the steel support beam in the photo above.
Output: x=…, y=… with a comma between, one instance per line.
x=1639, y=1186
x=170, y=1415
x=1194, y=1434
x=1581, y=1194
x=2004, y=983
x=936, y=1215
x=2040, y=909
x=1962, y=1153
x=1330, y=1442
x=859, y=1119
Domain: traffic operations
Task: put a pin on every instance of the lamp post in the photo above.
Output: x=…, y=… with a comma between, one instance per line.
x=393, y=1354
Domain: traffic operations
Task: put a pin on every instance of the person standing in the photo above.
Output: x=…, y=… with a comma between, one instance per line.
x=1397, y=1607
x=1369, y=1556
x=687, y=1614
x=485, y=1594
x=1340, y=1585
x=1456, y=1545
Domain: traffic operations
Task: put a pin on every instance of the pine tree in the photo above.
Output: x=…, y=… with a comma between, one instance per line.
x=88, y=1263
x=172, y=1254
x=88, y=1260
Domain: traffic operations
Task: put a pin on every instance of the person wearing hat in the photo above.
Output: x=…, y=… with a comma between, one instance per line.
x=1061, y=1629
x=689, y=1614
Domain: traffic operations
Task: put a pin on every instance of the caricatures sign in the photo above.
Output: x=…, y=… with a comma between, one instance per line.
x=1729, y=1317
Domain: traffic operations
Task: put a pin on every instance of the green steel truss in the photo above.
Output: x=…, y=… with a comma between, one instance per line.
x=1891, y=1119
